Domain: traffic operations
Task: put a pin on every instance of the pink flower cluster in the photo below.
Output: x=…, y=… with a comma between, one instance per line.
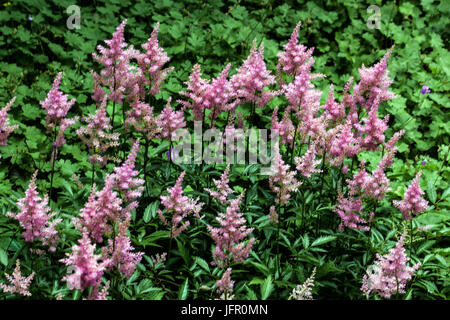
x=56, y=104
x=222, y=186
x=19, y=283
x=87, y=269
x=283, y=181
x=229, y=237
x=179, y=207
x=350, y=212
x=307, y=164
x=391, y=273
x=252, y=77
x=412, y=203
x=152, y=62
x=169, y=121
x=34, y=217
x=225, y=285
x=94, y=135
x=5, y=128
x=294, y=56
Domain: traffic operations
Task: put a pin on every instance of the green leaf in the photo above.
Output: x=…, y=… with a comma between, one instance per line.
x=3, y=257
x=322, y=240
x=431, y=190
x=183, y=292
x=266, y=288
x=305, y=241
x=202, y=263
x=150, y=211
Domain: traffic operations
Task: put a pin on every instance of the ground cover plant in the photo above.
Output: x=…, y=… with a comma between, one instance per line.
x=97, y=204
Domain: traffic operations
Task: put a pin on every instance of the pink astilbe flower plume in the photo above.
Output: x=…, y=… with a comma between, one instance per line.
x=412, y=203
x=196, y=88
x=286, y=129
x=125, y=176
x=252, y=77
x=282, y=181
x=350, y=212
x=19, y=283
x=99, y=295
x=95, y=135
x=229, y=237
x=86, y=268
x=34, y=217
x=5, y=128
x=225, y=285
x=335, y=111
x=219, y=94
x=222, y=186
x=373, y=129
x=142, y=119
x=307, y=164
x=65, y=124
x=391, y=272
x=119, y=252
x=294, y=55
x=56, y=104
x=117, y=74
x=374, y=84
x=152, y=62
x=169, y=121
x=179, y=207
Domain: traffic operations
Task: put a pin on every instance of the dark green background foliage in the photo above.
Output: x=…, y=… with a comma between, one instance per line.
x=214, y=33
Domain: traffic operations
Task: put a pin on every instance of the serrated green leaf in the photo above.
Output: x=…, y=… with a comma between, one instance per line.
x=184, y=289
x=266, y=288
x=322, y=240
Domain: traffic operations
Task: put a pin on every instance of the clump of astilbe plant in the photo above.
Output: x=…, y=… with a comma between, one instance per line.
x=5, y=128
x=34, y=217
x=19, y=283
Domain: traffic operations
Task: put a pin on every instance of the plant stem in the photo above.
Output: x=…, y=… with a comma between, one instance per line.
x=53, y=159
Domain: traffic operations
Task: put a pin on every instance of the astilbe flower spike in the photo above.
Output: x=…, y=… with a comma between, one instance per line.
x=391, y=272
x=303, y=291
x=222, y=186
x=34, y=217
x=169, y=121
x=273, y=215
x=118, y=75
x=286, y=129
x=196, y=88
x=229, y=237
x=142, y=119
x=225, y=285
x=307, y=164
x=374, y=128
x=282, y=181
x=294, y=55
x=179, y=207
x=19, y=283
x=350, y=212
x=335, y=111
x=412, y=203
x=95, y=135
x=56, y=104
x=85, y=264
x=99, y=295
x=374, y=84
x=152, y=62
x=5, y=128
x=125, y=176
x=252, y=77
x=119, y=252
